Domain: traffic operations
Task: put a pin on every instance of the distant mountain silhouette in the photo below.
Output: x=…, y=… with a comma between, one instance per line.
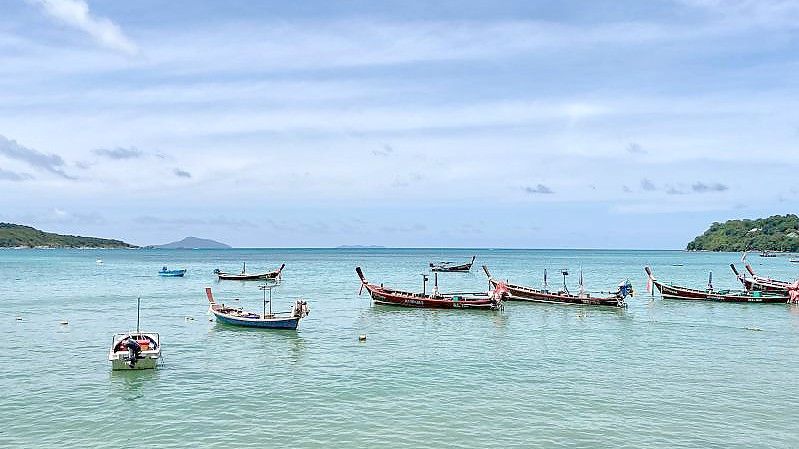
x=192, y=243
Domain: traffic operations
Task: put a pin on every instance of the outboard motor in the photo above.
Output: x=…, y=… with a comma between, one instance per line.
x=498, y=295
x=300, y=309
x=625, y=290
x=793, y=293
x=134, y=351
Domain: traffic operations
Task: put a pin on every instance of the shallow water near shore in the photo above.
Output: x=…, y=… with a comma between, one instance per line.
x=659, y=373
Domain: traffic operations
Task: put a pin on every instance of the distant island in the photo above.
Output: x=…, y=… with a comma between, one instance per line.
x=21, y=236
x=192, y=243
x=359, y=247
x=776, y=233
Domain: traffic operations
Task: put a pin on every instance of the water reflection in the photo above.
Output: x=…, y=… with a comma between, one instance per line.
x=130, y=385
x=289, y=340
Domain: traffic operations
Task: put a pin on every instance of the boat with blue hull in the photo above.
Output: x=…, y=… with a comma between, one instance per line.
x=171, y=273
x=267, y=320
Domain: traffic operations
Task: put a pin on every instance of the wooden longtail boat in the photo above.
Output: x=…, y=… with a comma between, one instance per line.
x=669, y=291
x=387, y=296
x=267, y=320
x=523, y=293
x=244, y=276
x=759, y=283
x=449, y=268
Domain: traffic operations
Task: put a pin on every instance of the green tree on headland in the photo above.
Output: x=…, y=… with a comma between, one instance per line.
x=775, y=233
x=14, y=235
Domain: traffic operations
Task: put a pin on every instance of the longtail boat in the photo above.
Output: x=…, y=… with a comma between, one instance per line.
x=760, y=283
x=388, y=296
x=266, y=320
x=563, y=296
x=244, y=276
x=448, y=267
x=670, y=291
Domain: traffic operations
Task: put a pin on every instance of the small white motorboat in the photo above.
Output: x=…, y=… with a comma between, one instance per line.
x=135, y=350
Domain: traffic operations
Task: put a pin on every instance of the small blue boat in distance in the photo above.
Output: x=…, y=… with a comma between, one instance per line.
x=171, y=273
x=267, y=320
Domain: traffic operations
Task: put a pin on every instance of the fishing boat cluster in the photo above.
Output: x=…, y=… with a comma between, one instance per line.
x=142, y=350
x=757, y=289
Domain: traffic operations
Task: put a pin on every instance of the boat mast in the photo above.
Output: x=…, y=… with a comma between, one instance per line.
x=138, y=308
x=545, y=279
x=266, y=287
x=424, y=284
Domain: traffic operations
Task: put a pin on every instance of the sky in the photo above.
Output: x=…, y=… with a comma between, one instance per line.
x=517, y=124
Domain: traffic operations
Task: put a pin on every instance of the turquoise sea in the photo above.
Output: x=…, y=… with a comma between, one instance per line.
x=658, y=374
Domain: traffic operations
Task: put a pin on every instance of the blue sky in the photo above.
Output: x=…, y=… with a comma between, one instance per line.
x=592, y=124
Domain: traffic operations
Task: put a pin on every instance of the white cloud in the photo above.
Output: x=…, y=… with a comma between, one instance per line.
x=76, y=14
x=229, y=47
x=507, y=101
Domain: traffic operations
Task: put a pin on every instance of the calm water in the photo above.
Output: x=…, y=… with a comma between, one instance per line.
x=661, y=373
